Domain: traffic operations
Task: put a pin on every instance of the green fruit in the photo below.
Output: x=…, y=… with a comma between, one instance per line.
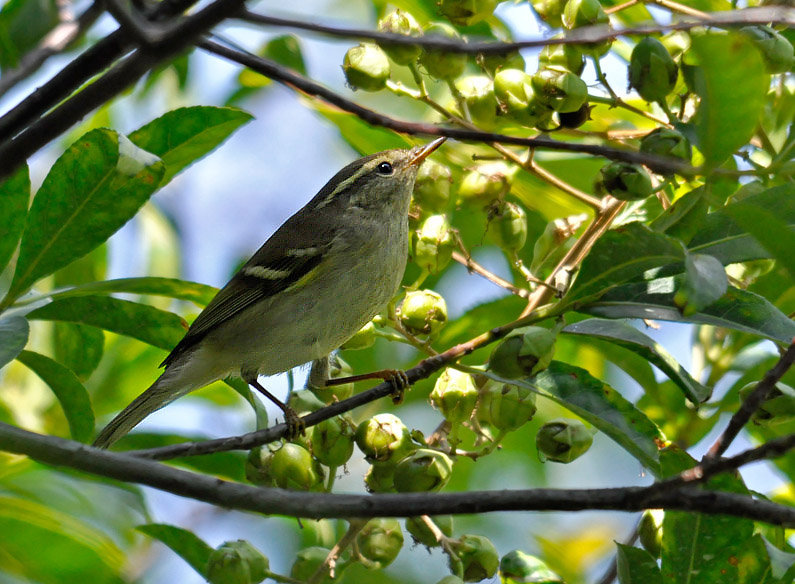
x=423, y=312
x=432, y=187
x=579, y=13
x=400, y=22
x=506, y=406
x=285, y=465
x=433, y=244
x=518, y=567
x=454, y=395
x=666, y=142
x=776, y=50
x=485, y=183
x=652, y=71
x=440, y=64
x=625, y=181
x=337, y=368
x=650, y=531
x=493, y=63
x=332, y=441
x=568, y=57
x=478, y=557
x=304, y=402
x=514, y=91
x=559, y=89
x=478, y=94
x=379, y=478
x=563, y=440
x=507, y=227
x=379, y=542
x=363, y=339
x=366, y=67
x=550, y=11
x=306, y=563
x=423, y=535
x=467, y=12
x=524, y=352
x=236, y=562
x=422, y=470
x=384, y=438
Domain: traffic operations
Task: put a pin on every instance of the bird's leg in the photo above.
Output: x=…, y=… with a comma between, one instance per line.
x=295, y=425
x=398, y=379
x=318, y=374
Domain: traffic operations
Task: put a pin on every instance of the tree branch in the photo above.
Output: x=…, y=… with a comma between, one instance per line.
x=123, y=467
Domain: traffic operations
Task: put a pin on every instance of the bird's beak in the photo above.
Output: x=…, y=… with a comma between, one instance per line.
x=422, y=152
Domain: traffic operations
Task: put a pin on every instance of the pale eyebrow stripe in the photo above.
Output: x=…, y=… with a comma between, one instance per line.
x=348, y=181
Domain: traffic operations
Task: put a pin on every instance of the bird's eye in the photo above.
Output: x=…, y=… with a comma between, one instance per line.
x=385, y=169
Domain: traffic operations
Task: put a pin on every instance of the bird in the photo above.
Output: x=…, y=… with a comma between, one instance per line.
x=323, y=274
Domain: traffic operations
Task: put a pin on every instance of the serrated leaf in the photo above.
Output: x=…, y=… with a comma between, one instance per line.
x=621, y=255
x=704, y=282
x=14, y=198
x=67, y=388
x=636, y=566
x=200, y=294
x=624, y=335
x=603, y=407
x=14, y=332
x=765, y=225
x=93, y=189
x=182, y=136
x=732, y=84
x=78, y=347
x=722, y=237
x=139, y=321
x=184, y=543
x=737, y=309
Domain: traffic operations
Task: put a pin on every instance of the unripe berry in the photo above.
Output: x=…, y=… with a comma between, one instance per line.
x=236, y=562
x=517, y=566
x=559, y=89
x=384, y=438
x=624, y=180
x=337, y=368
x=652, y=71
x=379, y=542
x=478, y=94
x=507, y=226
x=524, y=352
x=422, y=470
x=379, y=478
x=666, y=142
x=433, y=244
x=423, y=312
x=467, y=12
x=332, y=441
x=563, y=440
x=454, y=395
x=776, y=50
x=478, y=557
x=566, y=56
x=363, y=339
x=400, y=22
x=506, y=406
x=550, y=11
x=650, y=531
x=366, y=67
x=493, y=63
x=284, y=465
x=432, y=187
x=514, y=91
x=439, y=64
x=485, y=183
x=575, y=119
x=579, y=13
x=422, y=534
x=306, y=563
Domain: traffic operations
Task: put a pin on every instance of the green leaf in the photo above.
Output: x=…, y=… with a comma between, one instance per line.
x=766, y=226
x=705, y=281
x=603, y=407
x=184, y=543
x=732, y=84
x=620, y=255
x=636, y=566
x=782, y=563
x=737, y=309
x=721, y=236
x=685, y=218
x=93, y=189
x=139, y=321
x=23, y=24
x=182, y=136
x=200, y=294
x=361, y=136
x=67, y=388
x=78, y=347
x=624, y=335
x=14, y=332
x=14, y=197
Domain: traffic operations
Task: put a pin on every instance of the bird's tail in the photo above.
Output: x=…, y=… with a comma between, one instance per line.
x=160, y=393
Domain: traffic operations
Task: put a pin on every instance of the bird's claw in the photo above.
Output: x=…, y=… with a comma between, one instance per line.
x=399, y=381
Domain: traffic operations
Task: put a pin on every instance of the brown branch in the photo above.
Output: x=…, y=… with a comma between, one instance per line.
x=230, y=495
x=587, y=34
x=752, y=403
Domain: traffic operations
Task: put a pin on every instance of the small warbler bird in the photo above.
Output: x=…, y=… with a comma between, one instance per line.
x=326, y=272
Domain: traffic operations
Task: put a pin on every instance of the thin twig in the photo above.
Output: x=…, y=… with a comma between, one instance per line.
x=476, y=268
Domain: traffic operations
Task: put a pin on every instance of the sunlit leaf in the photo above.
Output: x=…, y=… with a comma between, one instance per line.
x=184, y=543
x=704, y=282
x=766, y=225
x=78, y=347
x=14, y=331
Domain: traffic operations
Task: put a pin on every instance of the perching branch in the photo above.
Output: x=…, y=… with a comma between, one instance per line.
x=123, y=467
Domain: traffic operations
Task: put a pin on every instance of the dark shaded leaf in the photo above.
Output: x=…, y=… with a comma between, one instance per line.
x=636, y=566
x=182, y=136
x=630, y=338
x=23, y=24
x=78, y=347
x=93, y=189
x=766, y=226
x=14, y=197
x=139, y=321
x=71, y=394
x=184, y=543
x=14, y=332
